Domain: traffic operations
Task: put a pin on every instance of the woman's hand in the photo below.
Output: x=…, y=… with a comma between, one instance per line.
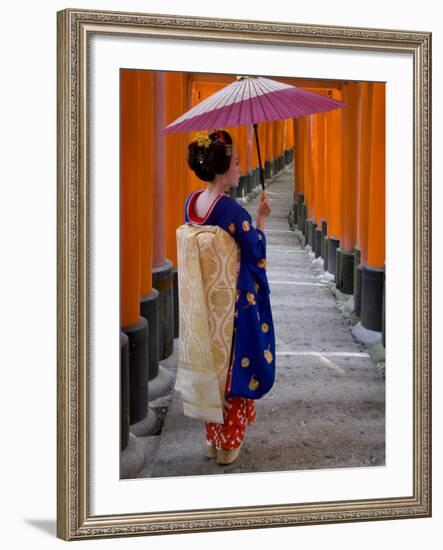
x=264, y=207
x=263, y=211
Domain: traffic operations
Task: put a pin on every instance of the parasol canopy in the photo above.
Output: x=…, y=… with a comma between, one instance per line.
x=250, y=100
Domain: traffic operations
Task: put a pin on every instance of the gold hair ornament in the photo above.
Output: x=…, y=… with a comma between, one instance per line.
x=203, y=140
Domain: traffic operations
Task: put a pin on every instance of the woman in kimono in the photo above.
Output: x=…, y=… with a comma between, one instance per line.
x=251, y=373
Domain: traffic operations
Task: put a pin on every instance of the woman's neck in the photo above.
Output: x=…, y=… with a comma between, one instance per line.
x=218, y=186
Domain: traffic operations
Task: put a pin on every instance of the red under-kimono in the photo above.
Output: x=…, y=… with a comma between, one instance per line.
x=236, y=412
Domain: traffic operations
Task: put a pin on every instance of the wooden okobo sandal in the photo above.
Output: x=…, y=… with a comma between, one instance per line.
x=210, y=451
x=227, y=456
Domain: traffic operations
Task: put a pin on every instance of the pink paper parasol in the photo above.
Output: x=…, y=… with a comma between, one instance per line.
x=251, y=100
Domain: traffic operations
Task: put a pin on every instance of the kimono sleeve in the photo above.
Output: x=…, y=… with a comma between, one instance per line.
x=252, y=241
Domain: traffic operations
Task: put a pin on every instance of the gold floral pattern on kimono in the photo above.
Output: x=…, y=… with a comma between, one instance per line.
x=220, y=300
x=253, y=384
x=209, y=265
x=268, y=356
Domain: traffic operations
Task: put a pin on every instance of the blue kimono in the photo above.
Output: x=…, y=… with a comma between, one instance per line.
x=253, y=361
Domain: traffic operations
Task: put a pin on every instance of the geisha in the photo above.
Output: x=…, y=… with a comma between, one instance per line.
x=251, y=369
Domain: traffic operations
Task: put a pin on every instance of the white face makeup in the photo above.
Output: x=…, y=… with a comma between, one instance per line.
x=233, y=173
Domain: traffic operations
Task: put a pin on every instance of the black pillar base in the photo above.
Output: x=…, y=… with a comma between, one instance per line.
x=345, y=274
x=301, y=212
x=383, y=315
x=250, y=184
x=372, y=298
x=333, y=245
x=325, y=255
x=357, y=281
x=306, y=230
x=241, y=190
x=124, y=391
x=305, y=215
x=256, y=177
x=162, y=281
x=138, y=372
x=324, y=232
x=267, y=169
x=250, y=179
x=149, y=309
x=357, y=290
x=309, y=231
x=317, y=241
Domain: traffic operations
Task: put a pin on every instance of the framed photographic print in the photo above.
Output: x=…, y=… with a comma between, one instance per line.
x=244, y=288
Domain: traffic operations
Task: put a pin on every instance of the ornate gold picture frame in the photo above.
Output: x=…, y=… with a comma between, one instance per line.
x=76, y=28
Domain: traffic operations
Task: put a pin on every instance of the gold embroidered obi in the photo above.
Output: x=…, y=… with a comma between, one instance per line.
x=207, y=263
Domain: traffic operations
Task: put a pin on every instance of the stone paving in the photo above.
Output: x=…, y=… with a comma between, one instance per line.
x=326, y=409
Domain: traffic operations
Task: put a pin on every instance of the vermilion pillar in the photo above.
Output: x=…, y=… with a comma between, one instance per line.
x=373, y=270
x=132, y=324
x=307, y=206
x=333, y=175
x=350, y=164
x=289, y=133
x=364, y=169
x=310, y=173
x=275, y=147
x=162, y=277
x=320, y=182
x=159, y=233
x=176, y=165
x=176, y=174
x=145, y=167
x=269, y=155
x=361, y=248
x=242, y=145
x=377, y=221
x=263, y=137
x=298, y=171
x=298, y=156
x=130, y=282
x=333, y=169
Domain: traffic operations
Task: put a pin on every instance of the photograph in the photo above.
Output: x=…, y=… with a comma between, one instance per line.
x=243, y=274
x=252, y=250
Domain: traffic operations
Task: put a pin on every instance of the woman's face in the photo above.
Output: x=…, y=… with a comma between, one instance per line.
x=233, y=174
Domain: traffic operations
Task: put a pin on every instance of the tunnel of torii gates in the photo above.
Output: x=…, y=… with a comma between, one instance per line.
x=338, y=201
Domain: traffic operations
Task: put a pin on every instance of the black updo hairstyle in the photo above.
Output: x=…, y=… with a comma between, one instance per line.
x=213, y=159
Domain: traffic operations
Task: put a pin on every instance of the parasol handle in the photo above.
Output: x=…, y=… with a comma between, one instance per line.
x=262, y=176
